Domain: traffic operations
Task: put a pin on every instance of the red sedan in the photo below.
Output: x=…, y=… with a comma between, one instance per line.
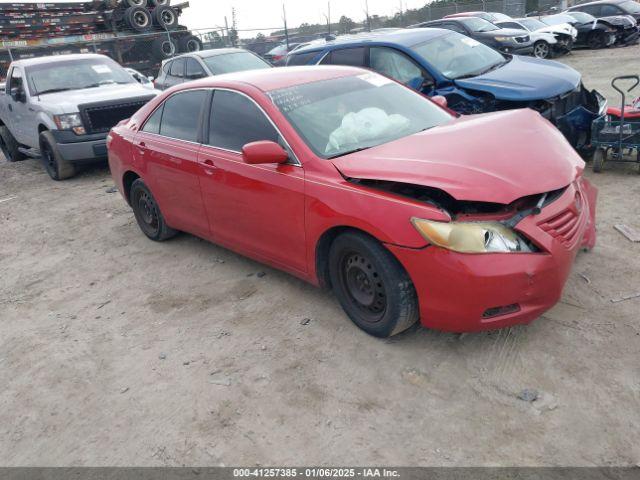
x=354, y=182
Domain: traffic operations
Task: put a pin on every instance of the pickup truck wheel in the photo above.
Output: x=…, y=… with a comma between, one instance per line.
x=148, y=214
x=138, y=19
x=373, y=288
x=596, y=40
x=165, y=17
x=56, y=166
x=9, y=146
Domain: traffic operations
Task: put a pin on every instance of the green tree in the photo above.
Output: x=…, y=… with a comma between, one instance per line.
x=345, y=24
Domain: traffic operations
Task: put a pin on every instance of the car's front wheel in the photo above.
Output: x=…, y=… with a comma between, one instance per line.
x=56, y=166
x=148, y=214
x=371, y=285
x=541, y=49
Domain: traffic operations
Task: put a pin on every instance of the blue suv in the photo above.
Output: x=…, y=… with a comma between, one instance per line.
x=473, y=77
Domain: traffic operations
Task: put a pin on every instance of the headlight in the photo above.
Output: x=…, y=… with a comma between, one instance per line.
x=70, y=121
x=472, y=237
x=501, y=39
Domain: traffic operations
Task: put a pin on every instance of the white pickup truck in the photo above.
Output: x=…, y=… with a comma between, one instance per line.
x=61, y=108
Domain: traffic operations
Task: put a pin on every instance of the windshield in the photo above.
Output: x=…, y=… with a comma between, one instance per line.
x=457, y=56
x=532, y=24
x=76, y=74
x=478, y=24
x=558, y=19
x=500, y=17
x=582, y=17
x=342, y=115
x=630, y=6
x=234, y=62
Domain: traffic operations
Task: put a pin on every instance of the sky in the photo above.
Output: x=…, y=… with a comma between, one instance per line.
x=267, y=14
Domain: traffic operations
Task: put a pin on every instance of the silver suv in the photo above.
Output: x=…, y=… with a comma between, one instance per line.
x=207, y=63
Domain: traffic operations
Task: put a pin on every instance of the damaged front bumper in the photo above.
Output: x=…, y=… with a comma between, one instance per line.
x=574, y=113
x=471, y=292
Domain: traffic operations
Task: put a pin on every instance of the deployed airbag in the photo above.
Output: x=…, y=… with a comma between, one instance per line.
x=367, y=124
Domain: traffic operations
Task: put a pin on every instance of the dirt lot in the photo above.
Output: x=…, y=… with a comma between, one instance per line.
x=115, y=350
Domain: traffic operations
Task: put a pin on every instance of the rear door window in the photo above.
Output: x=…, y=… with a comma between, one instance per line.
x=609, y=10
x=353, y=57
x=235, y=121
x=194, y=70
x=177, y=68
x=181, y=115
x=301, y=59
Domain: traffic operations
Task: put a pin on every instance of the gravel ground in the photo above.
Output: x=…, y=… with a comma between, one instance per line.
x=115, y=350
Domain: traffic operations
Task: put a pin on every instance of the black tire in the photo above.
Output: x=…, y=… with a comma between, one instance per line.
x=159, y=3
x=148, y=214
x=599, y=157
x=190, y=43
x=138, y=19
x=163, y=48
x=541, y=49
x=9, y=146
x=371, y=285
x=56, y=166
x=596, y=40
x=134, y=3
x=165, y=17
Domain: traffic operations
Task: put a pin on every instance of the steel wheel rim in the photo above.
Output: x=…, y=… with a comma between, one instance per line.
x=193, y=46
x=541, y=50
x=167, y=48
x=137, y=3
x=140, y=19
x=49, y=161
x=148, y=212
x=167, y=17
x=363, y=285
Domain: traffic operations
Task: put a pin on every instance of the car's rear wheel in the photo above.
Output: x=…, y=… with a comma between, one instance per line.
x=148, y=214
x=542, y=49
x=54, y=163
x=371, y=285
x=9, y=146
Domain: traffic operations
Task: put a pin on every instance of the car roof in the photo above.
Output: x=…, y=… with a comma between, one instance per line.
x=404, y=37
x=269, y=79
x=598, y=2
x=28, y=62
x=207, y=53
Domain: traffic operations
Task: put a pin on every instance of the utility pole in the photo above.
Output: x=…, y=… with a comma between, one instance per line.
x=226, y=28
x=401, y=15
x=234, y=26
x=366, y=11
x=327, y=17
x=286, y=32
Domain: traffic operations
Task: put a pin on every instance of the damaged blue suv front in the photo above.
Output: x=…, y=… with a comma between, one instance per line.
x=473, y=77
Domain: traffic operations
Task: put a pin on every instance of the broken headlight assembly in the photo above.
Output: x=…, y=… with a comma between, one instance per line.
x=473, y=237
x=70, y=121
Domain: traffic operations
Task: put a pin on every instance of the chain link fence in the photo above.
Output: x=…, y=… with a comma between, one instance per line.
x=146, y=52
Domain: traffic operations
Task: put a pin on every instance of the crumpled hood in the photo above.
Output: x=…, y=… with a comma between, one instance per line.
x=495, y=157
x=622, y=20
x=561, y=28
x=67, y=102
x=524, y=79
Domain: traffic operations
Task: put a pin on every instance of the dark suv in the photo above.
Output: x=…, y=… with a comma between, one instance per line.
x=609, y=8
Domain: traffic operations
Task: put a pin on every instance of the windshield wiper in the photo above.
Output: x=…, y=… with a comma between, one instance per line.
x=359, y=149
x=54, y=90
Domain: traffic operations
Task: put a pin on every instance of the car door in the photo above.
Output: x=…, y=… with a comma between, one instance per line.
x=167, y=149
x=19, y=116
x=257, y=210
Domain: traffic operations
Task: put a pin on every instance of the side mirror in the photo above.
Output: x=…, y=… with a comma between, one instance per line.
x=17, y=94
x=439, y=100
x=256, y=153
x=415, y=83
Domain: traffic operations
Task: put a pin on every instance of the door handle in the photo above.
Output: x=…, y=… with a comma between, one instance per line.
x=142, y=148
x=209, y=167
